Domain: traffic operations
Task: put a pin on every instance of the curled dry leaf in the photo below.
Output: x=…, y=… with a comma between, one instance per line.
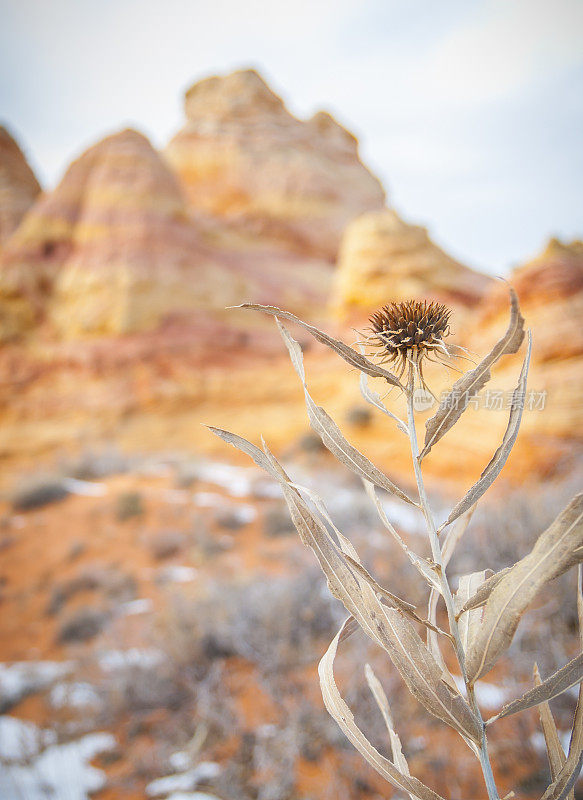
x=330, y=433
x=388, y=627
x=563, y=784
x=394, y=600
x=500, y=457
x=561, y=680
x=374, y=399
x=455, y=403
x=421, y=564
x=481, y=596
x=555, y=750
x=469, y=622
x=381, y=700
x=350, y=355
x=340, y=712
x=552, y=555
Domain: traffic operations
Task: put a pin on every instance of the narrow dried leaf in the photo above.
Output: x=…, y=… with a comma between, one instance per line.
x=344, y=351
x=469, y=622
x=330, y=433
x=580, y=602
x=500, y=457
x=381, y=700
x=455, y=403
x=396, y=601
x=555, y=751
x=421, y=565
x=452, y=538
x=374, y=399
x=563, y=784
x=552, y=555
x=561, y=680
x=481, y=596
x=340, y=712
x=386, y=626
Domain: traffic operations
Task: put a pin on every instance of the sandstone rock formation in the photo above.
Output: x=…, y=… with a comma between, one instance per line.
x=111, y=250
x=382, y=258
x=18, y=185
x=242, y=156
x=550, y=288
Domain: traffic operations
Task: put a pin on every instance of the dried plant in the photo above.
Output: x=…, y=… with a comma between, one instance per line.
x=485, y=611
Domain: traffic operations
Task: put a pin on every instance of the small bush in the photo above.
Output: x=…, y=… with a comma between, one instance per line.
x=359, y=416
x=83, y=624
x=165, y=544
x=128, y=505
x=38, y=492
x=277, y=522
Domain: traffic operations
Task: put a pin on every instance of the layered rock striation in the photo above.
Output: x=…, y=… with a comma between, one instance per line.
x=384, y=259
x=244, y=157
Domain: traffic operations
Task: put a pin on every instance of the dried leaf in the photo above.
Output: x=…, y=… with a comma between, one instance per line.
x=555, y=750
x=452, y=538
x=386, y=626
x=340, y=712
x=374, y=399
x=396, y=601
x=344, y=351
x=550, y=557
x=481, y=596
x=330, y=433
x=422, y=565
x=381, y=700
x=561, y=680
x=468, y=586
x=562, y=785
x=455, y=403
x=500, y=457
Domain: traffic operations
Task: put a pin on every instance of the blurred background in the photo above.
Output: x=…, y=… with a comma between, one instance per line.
x=160, y=621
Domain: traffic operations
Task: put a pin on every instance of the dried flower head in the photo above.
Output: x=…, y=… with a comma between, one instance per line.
x=406, y=333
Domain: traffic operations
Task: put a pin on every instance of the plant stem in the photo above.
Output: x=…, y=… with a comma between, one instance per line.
x=445, y=588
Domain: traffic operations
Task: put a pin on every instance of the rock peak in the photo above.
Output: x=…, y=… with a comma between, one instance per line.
x=18, y=185
x=237, y=95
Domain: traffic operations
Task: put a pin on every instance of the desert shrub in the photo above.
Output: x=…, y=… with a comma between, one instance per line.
x=277, y=522
x=38, y=492
x=276, y=624
x=128, y=505
x=81, y=625
x=359, y=416
x=166, y=544
x=116, y=585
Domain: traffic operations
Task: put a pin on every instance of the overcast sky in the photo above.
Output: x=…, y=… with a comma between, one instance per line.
x=470, y=111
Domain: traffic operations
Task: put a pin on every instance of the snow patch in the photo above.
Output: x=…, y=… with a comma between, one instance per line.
x=24, y=677
x=52, y=770
x=184, y=781
x=133, y=607
x=74, y=695
x=84, y=488
x=488, y=695
x=134, y=657
x=177, y=573
x=238, y=481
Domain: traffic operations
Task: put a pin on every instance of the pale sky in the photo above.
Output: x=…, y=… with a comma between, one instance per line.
x=470, y=111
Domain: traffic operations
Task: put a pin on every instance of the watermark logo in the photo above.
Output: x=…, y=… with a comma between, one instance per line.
x=490, y=400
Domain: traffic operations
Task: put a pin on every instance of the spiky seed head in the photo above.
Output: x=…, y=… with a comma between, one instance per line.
x=408, y=331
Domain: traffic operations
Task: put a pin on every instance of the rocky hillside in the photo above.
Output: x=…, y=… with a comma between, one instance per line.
x=243, y=157
x=114, y=286
x=18, y=185
x=383, y=258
